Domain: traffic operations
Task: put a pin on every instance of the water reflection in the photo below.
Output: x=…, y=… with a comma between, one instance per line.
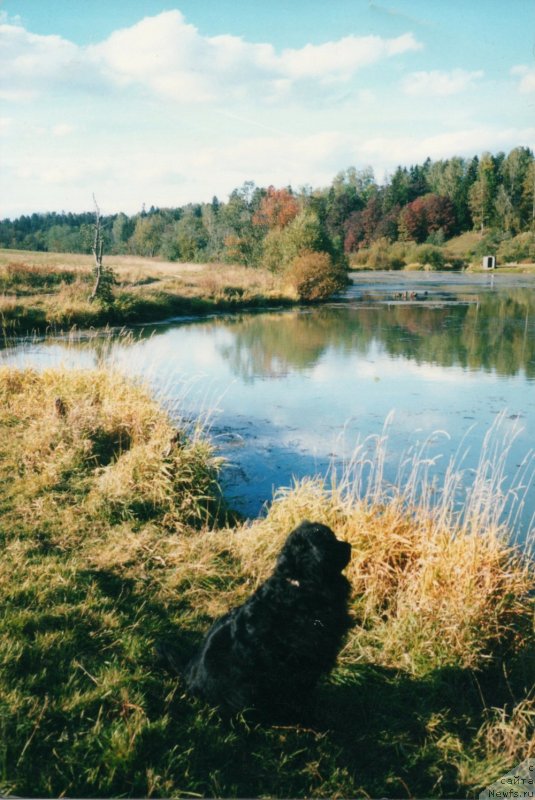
x=494, y=332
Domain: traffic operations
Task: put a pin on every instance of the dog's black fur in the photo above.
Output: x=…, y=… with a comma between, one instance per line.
x=269, y=653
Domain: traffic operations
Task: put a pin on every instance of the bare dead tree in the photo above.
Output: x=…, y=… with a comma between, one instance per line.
x=103, y=277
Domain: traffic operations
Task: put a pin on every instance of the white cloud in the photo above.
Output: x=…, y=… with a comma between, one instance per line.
x=162, y=114
x=391, y=369
x=67, y=178
x=6, y=124
x=392, y=150
x=527, y=78
x=6, y=18
x=32, y=65
x=63, y=129
x=386, y=153
x=281, y=160
x=63, y=172
x=438, y=83
x=171, y=58
x=30, y=62
x=341, y=59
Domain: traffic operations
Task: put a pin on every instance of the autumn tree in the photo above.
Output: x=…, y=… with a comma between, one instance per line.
x=364, y=227
x=355, y=232
x=121, y=231
x=504, y=211
x=494, y=191
x=413, y=222
x=185, y=239
x=426, y=215
x=528, y=196
x=277, y=209
x=388, y=225
x=397, y=189
x=349, y=192
x=211, y=218
x=452, y=179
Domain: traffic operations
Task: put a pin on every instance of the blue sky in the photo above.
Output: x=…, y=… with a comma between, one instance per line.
x=164, y=103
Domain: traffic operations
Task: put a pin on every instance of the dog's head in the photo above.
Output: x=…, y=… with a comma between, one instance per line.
x=313, y=551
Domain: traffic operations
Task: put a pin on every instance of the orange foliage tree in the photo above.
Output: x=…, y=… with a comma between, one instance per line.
x=277, y=208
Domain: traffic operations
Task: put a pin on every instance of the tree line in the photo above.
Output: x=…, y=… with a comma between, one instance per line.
x=428, y=202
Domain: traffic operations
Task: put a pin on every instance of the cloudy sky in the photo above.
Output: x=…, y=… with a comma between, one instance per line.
x=148, y=101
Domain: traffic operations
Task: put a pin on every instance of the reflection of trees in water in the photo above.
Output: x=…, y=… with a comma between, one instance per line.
x=497, y=333
x=272, y=345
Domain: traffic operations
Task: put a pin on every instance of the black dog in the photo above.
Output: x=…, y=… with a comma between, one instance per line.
x=269, y=653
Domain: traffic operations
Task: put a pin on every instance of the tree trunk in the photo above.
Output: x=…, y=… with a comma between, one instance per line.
x=97, y=249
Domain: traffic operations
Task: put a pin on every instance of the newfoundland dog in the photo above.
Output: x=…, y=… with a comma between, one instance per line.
x=269, y=653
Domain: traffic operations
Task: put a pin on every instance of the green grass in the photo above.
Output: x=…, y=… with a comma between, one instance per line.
x=114, y=537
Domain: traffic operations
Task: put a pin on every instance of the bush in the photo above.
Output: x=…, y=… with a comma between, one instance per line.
x=313, y=276
x=110, y=445
x=454, y=262
x=383, y=255
x=488, y=245
x=428, y=255
x=519, y=248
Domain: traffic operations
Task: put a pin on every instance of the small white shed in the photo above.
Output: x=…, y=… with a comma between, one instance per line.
x=489, y=262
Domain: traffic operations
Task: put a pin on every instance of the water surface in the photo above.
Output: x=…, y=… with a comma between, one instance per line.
x=291, y=392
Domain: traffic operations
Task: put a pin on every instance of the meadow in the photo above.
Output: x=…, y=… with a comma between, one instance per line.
x=116, y=537
x=40, y=291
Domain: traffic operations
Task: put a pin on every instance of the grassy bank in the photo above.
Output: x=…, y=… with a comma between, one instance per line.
x=51, y=290
x=114, y=537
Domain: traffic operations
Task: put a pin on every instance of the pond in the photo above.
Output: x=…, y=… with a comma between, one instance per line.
x=440, y=359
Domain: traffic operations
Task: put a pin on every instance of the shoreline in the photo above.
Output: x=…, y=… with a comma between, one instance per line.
x=42, y=292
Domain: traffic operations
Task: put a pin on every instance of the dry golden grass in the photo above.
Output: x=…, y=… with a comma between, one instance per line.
x=135, y=270
x=124, y=265
x=111, y=539
x=424, y=594
x=47, y=290
x=121, y=444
